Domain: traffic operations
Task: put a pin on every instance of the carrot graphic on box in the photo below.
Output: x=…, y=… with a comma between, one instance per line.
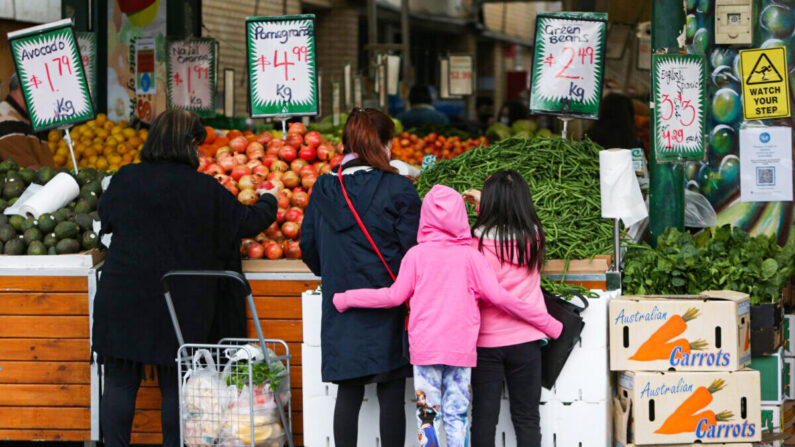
x=659, y=344
x=685, y=419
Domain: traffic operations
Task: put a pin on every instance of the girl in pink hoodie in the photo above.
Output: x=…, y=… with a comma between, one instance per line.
x=443, y=278
x=509, y=233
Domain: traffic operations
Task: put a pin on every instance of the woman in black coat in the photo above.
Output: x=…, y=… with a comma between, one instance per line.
x=163, y=215
x=362, y=345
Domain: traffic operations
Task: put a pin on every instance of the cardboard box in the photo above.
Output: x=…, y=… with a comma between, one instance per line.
x=775, y=377
x=778, y=418
x=654, y=408
x=766, y=315
x=789, y=335
x=576, y=424
x=707, y=332
x=767, y=340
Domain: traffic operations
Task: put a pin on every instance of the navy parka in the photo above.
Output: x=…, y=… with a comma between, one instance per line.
x=360, y=342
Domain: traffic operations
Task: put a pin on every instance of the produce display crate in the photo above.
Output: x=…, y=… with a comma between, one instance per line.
x=46, y=387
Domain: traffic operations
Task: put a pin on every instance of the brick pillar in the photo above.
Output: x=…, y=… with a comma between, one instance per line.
x=337, y=44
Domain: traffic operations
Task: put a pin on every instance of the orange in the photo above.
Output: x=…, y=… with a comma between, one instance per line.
x=128, y=132
x=101, y=163
x=122, y=148
x=135, y=141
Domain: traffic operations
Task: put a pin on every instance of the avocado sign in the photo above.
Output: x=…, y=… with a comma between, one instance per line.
x=765, y=85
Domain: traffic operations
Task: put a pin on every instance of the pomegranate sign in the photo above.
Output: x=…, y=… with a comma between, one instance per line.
x=281, y=66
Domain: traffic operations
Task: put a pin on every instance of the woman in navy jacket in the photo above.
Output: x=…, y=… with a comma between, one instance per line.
x=362, y=346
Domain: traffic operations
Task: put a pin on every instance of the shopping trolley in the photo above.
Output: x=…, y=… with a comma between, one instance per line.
x=235, y=393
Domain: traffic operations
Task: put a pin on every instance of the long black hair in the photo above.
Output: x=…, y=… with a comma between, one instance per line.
x=508, y=216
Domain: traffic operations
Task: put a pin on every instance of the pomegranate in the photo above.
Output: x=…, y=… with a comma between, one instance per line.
x=281, y=215
x=231, y=187
x=284, y=203
x=247, y=197
x=254, y=146
x=288, y=153
x=279, y=165
x=313, y=139
x=297, y=189
x=294, y=140
x=261, y=237
x=265, y=137
x=308, y=181
x=244, y=244
x=307, y=153
x=298, y=128
x=214, y=169
x=222, y=152
x=238, y=144
x=203, y=163
x=256, y=155
x=275, y=175
x=335, y=161
x=273, y=230
x=247, y=181
x=274, y=145
x=239, y=171
x=306, y=170
x=292, y=250
x=293, y=213
x=256, y=251
x=261, y=171
x=300, y=220
x=253, y=163
x=326, y=169
x=227, y=163
x=291, y=229
x=268, y=160
x=324, y=152
x=241, y=159
x=297, y=164
x=300, y=199
x=291, y=179
x=273, y=251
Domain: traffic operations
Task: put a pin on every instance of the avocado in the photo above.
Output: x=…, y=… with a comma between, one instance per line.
x=67, y=246
x=90, y=199
x=16, y=222
x=50, y=240
x=8, y=165
x=29, y=223
x=7, y=232
x=66, y=230
x=94, y=187
x=37, y=248
x=14, y=176
x=13, y=189
x=3, y=205
x=3, y=218
x=46, y=223
x=60, y=214
x=89, y=240
x=86, y=175
x=84, y=221
x=45, y=174
x=94, y=215
x=82, y=208
x=28, y=175
x=32, y=234
x=52, y=251
x=14, y=247
x=67, y=214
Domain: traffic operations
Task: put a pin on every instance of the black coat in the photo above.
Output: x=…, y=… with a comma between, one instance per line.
x=167, y=216
x=360, y=342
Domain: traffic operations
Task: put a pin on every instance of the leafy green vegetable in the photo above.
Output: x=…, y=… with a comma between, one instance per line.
x=260, y=373
x=566, y=290
x=722, y=258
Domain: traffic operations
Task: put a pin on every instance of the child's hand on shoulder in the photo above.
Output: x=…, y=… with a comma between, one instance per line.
x=339, y=302
x=472, y=196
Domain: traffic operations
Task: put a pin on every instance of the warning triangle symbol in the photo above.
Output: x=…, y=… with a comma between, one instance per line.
x=764, y=72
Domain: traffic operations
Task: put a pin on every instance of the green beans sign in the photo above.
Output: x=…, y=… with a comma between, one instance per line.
x=568, y=64
x=281, y=66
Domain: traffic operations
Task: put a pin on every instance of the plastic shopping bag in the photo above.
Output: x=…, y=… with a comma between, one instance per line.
x=202, y=401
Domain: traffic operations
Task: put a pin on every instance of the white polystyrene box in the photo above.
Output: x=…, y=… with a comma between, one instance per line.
x=311, y=310
x=312, y=379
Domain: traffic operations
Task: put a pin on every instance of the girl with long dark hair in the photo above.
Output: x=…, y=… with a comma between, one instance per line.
x=510, y=235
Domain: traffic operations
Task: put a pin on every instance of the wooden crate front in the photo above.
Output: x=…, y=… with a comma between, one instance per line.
x=45, y=388
x=278, y=306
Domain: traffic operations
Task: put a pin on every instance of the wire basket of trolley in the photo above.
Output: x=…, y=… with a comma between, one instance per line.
x=235, y=393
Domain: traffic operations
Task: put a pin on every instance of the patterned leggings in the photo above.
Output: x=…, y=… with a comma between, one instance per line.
x=443, y=393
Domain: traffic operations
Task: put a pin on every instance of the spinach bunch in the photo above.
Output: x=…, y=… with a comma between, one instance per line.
x=721, y=258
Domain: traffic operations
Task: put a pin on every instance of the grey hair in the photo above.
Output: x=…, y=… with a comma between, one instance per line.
x=13, y=83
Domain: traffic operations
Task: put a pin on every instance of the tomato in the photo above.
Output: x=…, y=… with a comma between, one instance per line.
x=294, y=140
x=297, y=128
x=255, y=251
x=291, y=230
x=300, y=199
x=292, y=250
x=273, y=251
x=291, y=179
x=308, y=153
x=313, y=139
x=288, y=153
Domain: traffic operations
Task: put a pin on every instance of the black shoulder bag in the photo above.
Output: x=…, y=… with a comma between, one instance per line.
x=556, y=352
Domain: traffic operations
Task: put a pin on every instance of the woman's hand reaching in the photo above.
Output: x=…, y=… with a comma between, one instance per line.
x=472, y=196
x=273, y=191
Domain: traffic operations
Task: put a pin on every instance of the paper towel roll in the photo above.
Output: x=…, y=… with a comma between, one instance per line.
x=59, y=191
x=621, y=196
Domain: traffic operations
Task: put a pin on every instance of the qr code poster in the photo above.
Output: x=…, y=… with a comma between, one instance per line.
x=765, y=164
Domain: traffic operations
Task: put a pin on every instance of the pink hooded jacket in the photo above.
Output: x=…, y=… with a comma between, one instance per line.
x=498, y=328
x=442, y=278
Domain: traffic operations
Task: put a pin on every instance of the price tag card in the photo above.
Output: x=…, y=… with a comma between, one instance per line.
x=190, y=70
x=281, y=66
x=568, y=64
x=460, y=71
x=87, y=44
x=145, y=57
x=51, y=74
x=679, y=89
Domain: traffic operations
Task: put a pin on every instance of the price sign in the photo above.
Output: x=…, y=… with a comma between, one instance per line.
x=51, y=74
x=460, y=72
x=281, y=65
x=568, y=64
x=190, y=70
x=145, y=58
x=87, y=44
x=679, y=89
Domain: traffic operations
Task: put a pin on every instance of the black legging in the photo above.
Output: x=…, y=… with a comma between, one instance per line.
x=117, y=405
x=392, y=421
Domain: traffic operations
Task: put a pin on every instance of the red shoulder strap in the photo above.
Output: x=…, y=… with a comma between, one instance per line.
x=361, y=224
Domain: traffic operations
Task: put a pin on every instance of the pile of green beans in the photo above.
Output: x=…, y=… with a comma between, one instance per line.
x=564, y=180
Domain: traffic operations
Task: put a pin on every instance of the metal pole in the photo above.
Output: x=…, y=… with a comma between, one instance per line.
x=617, y=245
x=666, y=180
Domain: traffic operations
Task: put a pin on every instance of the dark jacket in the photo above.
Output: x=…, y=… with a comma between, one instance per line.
x=360, y=342
x=166, y=216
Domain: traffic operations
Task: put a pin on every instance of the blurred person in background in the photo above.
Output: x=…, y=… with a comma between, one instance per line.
x=17, y=138
x=512, y=111
x=615, y=127
x=421, y=111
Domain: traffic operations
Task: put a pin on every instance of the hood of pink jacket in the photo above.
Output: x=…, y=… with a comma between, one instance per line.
x=444, y=217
